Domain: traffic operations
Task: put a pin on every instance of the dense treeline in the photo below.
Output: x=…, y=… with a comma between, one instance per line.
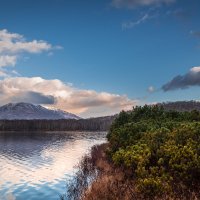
x=91, y=124
x=152, y=153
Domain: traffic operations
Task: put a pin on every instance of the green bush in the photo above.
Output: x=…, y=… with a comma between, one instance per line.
x=161, y=148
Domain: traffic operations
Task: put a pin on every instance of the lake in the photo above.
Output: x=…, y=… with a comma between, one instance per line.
x=36, y=166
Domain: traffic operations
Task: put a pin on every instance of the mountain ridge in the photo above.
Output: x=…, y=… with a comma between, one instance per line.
x=28, y=111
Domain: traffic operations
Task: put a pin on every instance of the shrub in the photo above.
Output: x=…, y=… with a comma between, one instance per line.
x=159, y=147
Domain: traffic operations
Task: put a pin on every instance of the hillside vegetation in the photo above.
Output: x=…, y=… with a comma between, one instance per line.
x=159, y=149
x=151, y=153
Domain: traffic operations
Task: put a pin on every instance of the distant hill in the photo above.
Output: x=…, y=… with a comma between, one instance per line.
x=27, y=111
x=29, y=117
x=181, y=106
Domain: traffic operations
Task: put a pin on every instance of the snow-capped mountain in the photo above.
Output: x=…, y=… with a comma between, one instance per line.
x=29, y=111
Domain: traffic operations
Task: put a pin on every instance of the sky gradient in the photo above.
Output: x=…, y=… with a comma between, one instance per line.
x=95, y=58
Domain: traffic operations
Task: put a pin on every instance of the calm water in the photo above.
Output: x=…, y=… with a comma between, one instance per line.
x=36, y=166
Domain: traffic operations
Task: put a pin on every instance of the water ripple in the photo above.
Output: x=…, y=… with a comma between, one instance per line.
x=35, y=166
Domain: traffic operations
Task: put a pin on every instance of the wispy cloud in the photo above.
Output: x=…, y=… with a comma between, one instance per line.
x=137, y=3
x=152, y=12
x=4, y=72
x=64, y=96
x=131, y=24
x=191, y=78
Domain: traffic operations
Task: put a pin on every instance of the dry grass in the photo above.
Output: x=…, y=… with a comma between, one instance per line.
x=98, y=179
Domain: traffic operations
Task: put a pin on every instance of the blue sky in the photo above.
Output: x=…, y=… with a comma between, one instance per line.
x=115, y=49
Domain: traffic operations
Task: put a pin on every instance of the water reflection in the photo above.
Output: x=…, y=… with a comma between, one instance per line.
x=36, y=165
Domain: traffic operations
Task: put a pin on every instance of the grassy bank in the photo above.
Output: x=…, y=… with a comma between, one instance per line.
x=151, y=154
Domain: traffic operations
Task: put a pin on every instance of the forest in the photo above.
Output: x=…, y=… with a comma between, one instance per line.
x=90, y=124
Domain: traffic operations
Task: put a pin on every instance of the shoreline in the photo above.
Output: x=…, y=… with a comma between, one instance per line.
x=97, y=178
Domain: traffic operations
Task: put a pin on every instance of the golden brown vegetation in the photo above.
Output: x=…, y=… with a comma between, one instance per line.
x=113, y=183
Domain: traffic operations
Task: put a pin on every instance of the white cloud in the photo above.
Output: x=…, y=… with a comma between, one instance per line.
x=53, y=93
x=85, y=103
x=136, y=3
x=13, y=45
x=7, y=60
x=195, y=69
x=6, y=36
x=3, y=74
